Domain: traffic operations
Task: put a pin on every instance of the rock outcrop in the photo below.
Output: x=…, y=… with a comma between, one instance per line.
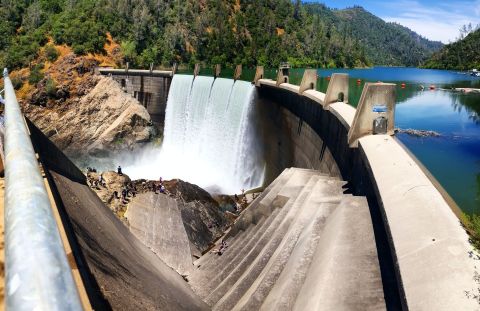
x=202, y=217
x=103, y=121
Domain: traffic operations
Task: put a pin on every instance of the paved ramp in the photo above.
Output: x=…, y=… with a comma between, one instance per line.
x=302, y=245
x=156, y=221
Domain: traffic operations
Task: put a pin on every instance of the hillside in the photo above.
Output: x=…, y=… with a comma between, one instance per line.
x=385, y=43
x=228, y=32
x=461, y=55
x=162, y=32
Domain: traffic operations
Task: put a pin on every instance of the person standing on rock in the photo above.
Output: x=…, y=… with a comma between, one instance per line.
x=119, y=170
x=101, y=180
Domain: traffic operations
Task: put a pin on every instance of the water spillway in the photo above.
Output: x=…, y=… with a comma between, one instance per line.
x=209, y=137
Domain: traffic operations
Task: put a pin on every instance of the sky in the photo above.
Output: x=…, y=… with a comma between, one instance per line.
x=435, y=20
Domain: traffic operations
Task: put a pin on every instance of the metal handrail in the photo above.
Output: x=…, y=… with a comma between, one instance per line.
x=38, y=276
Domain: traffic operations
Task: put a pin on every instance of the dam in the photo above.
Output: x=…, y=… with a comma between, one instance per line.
x=348, y=218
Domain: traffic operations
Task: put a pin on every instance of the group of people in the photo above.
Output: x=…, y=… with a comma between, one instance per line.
x=95, y=182
x=128, y=190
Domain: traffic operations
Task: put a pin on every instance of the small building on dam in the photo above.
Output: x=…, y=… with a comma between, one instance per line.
x=346, y=219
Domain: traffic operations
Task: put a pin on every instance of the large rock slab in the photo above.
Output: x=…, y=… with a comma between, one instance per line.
x=156, y=221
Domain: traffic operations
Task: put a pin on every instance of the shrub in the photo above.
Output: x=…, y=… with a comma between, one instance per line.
x=17, y=83
x=51, y=88
x=36, y=74
x=51, y=53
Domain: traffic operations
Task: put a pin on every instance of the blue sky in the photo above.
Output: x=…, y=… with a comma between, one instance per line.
x=435, y=20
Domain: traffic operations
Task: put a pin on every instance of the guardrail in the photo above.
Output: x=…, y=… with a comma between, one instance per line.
x=38, y=276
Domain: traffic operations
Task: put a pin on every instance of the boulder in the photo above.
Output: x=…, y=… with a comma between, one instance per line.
x=102, y=122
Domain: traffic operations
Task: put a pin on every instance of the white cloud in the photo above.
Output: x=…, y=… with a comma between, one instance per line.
x=440, y=22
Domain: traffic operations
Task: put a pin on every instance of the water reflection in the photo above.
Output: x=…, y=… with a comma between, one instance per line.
x=468, y=102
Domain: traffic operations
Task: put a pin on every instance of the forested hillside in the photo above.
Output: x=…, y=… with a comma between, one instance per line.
x=461, y=55
x=228, y=32
x=388, y=44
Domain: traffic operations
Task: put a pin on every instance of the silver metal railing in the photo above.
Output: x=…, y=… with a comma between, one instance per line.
x=38, y=276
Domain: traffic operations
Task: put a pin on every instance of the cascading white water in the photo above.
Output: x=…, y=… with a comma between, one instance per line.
x=209, y=137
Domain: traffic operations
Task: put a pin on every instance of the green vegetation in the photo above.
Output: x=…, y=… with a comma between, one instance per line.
x=51, y=88
x=51, y=53
x=17, y=83
x=461, y=55
x=36, y=74
x=228, y=32
x=384, y=43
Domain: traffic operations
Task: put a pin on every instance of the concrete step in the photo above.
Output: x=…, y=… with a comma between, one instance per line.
x=211, y=280
x=199, y=278
x=200, y=263
x=344, y=273
x=269, y=241
x=202, y=282
x=244, y=221
x=239, y=242
x=296, y=248
x=283, y=292
x=246, y=217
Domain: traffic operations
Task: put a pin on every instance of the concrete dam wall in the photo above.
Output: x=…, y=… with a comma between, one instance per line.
x=348, y=219
x=303, y=128
x=412, y=222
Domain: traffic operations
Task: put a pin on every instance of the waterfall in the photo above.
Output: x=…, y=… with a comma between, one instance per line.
x=209, y=138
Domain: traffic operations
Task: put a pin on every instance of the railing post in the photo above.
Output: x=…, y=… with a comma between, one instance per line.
x=283, y=74
x=238, y=72
x=259, y=72
x=337, y=90
x=174, y=68
x=309, y=80
x=375, y=112
x=38, y=276
x=196, y=70
x=217, y=70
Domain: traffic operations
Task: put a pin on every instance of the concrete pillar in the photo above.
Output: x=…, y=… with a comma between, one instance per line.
x=258, y=75
x=238, y=72
x=337, y=89
x=309, y=80
x=283, y=74
x=196, y=70
x=217, y=70
x=126, y=67
x=151, y=68
x=375, y=112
